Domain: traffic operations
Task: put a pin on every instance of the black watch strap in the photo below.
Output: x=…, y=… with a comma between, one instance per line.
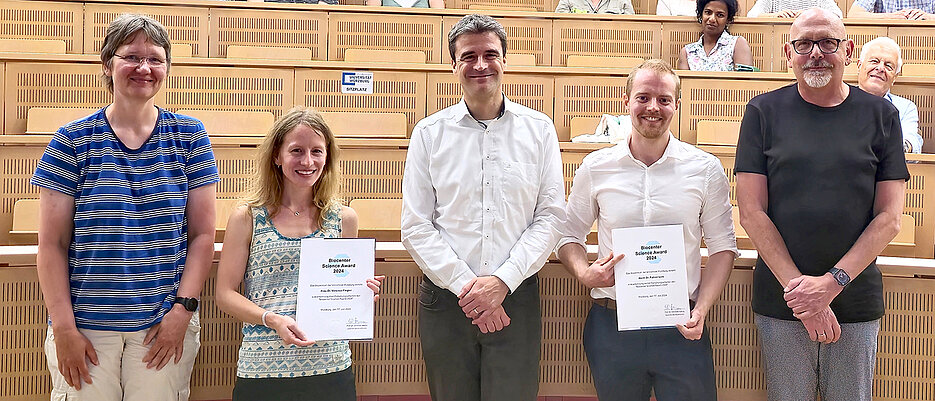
x=190, y=304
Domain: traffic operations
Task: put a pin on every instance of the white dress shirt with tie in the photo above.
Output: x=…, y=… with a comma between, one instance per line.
x=686, y=185
x=481, y=201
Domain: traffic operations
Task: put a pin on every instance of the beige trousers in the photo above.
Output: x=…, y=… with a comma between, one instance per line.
x=121, y=373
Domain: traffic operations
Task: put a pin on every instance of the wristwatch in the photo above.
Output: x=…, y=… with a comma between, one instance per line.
x=840, y=276
x=190, y=304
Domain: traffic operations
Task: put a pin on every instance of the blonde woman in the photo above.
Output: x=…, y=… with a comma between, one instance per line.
x=294, y=195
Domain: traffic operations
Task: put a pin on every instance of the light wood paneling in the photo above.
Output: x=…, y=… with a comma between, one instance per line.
x=28, y=85
x=393, y=92
x=608, y=38
x=306, y=29
x=43, y=20
x=185, y=24
x=373, y=31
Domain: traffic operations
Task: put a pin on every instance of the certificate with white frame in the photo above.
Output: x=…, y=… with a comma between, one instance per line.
x=651, y=281
x=333, y=301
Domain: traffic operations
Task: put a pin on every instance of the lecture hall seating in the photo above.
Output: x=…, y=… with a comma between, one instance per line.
x=206, y=78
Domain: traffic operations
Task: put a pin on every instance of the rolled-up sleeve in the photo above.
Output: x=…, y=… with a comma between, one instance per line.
x=717, y=225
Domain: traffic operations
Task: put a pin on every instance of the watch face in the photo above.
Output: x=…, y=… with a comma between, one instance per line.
x=190, y=304
x=841, y=277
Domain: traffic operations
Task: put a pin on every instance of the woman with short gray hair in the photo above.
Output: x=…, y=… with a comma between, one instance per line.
x=126, y=232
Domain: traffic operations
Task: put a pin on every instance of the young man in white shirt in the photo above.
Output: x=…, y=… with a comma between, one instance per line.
x=650, y=179
x=482, y=194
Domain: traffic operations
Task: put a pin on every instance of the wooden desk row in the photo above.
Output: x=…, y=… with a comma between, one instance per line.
x=328, y=31
x=373, y=169
x=562, y=93
x=392, y=363
x=646, y=7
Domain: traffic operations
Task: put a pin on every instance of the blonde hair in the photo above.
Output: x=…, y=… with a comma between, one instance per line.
x=265, y=188
x=659, y=67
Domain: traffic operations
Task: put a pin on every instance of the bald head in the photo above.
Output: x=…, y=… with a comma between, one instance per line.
x=818, y=50
x=817, y=17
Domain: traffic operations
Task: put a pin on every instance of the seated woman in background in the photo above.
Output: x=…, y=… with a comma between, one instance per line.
x=716, y=50
x=790, y=8
x=293, y=195
x=408, y=3
x=595, y=7
x=684, y=8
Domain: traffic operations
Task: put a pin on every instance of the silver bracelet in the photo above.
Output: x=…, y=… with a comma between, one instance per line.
x=263, y=318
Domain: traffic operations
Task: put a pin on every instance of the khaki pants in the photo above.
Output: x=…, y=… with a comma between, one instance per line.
x=121, y=373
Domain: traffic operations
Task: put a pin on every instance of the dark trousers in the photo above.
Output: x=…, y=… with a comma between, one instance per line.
x=464, y=364
x=337, y=386
x=627, y=365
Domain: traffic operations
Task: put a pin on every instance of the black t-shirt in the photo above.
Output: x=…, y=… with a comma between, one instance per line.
x=822, y=165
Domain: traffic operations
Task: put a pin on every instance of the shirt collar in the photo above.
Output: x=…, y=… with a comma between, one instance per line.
x=724, y=38
x=721, y=40
x=461, y=112
x=673, y=149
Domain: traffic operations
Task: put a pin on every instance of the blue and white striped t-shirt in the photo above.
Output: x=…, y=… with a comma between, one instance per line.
x=130, y=237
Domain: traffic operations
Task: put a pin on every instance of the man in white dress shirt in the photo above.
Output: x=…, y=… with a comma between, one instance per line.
x=650, y=179
x=482, y=196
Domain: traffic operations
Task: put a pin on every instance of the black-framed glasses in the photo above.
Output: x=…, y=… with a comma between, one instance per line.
x=826, y=45
x=133, y=59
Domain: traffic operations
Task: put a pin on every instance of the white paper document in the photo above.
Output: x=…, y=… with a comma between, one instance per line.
x=334, y=302
x=651, y=280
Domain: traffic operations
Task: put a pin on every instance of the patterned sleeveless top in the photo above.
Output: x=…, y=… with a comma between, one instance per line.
x=271, y=281
x=720, y=59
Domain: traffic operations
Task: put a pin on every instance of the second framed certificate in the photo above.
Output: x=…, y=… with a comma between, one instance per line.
x=651, y=281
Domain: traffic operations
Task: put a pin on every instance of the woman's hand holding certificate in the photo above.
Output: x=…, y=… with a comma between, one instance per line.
x=287, y=329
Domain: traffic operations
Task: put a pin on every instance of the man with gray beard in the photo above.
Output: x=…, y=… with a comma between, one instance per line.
x=821, y=181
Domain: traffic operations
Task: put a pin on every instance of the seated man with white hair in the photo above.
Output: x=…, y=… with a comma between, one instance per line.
x=880, y=62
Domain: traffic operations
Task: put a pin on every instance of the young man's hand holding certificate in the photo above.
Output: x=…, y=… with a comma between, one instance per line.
x=334, y=301
x=651, y=280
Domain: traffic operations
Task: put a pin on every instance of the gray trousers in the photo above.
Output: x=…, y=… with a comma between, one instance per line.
x=798, y=369
x=463, y=364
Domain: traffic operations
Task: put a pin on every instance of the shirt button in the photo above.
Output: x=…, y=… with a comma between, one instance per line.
x=487, y=183
x=487, y=157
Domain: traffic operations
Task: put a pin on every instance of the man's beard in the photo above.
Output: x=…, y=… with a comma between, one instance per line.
x=816, y=79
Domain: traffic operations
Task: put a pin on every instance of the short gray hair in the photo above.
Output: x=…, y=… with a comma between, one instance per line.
x=884, y=42
x=122, y=30
x=475, y=23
